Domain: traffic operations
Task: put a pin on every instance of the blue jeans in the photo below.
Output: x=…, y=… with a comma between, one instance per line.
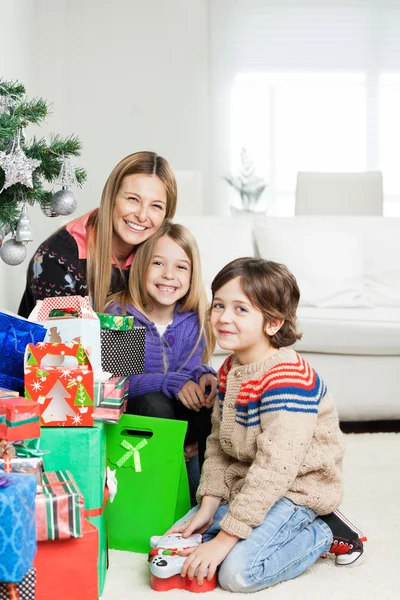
x=290, y=539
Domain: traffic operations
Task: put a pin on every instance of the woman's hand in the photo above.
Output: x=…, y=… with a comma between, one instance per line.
x=191, y=395
x=208, y=380
x=207, y=557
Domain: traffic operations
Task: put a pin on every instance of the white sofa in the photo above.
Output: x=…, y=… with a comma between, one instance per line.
x=348, y=269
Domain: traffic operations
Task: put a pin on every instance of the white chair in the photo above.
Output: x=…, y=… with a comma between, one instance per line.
x=339, y=193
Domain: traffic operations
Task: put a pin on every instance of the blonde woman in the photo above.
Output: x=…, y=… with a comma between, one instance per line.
x=166, y=295
x=92, y=254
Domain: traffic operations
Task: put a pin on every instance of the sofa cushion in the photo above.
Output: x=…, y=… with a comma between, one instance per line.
x=327, y=262
x=364, y=331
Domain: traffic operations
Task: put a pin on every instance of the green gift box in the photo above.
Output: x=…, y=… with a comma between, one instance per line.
x=82, y=451
x=120, y=322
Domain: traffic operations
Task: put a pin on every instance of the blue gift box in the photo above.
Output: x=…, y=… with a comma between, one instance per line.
x=17, y=526
x=15, y=334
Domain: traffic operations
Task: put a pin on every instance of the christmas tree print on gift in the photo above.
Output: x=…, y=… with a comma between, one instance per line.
x=82, y=399
x=58, y=409
x=64, y=388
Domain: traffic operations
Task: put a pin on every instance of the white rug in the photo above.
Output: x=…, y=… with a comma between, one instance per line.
x=371, y=500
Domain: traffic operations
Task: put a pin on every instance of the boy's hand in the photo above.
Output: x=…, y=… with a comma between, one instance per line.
x=207, y=556
x=191, y=395
x=191, y=450
x=208, y=385
x=200, y=521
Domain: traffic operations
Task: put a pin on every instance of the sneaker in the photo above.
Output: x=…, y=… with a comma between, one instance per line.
x=347, y=546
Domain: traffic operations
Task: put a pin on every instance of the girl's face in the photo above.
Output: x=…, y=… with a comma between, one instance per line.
x=168, y=276
x=139, y=210
x=238, y=326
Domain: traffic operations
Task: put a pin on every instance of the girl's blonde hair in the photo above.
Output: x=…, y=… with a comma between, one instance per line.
x=100, y=224
x=194, y=300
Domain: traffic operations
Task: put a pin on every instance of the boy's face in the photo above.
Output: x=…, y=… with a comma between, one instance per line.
x=237, y=325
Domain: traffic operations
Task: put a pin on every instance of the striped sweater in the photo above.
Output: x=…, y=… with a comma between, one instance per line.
x=275, y=433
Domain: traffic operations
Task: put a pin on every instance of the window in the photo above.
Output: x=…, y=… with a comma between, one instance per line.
x=305, y=85
x=290, y=122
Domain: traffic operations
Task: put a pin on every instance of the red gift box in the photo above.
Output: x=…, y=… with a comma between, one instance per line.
x=67, y=569
x=60, y=378
x=19, y=419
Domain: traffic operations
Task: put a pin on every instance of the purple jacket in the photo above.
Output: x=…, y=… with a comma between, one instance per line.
x=177, y=343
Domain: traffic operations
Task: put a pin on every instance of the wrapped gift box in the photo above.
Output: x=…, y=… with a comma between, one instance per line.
x=60, y=378
x=82, y=451
x=17, y=526
x=67, y=570
x=4, y=393
x=23, y=466
x=83, y=329
x=59, y=508
x=20, y=591
x=121, y=322
x=19, y=418
x=110, y=398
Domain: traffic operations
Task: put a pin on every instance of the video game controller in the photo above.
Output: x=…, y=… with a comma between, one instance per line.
x=166, y=564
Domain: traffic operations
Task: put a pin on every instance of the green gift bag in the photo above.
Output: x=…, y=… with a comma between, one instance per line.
x=82, y=451
x=147, y=456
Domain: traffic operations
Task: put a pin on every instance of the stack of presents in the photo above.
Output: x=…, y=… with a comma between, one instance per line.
x=77, y=476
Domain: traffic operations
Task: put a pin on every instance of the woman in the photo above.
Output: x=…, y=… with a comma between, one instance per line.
x=92, y=254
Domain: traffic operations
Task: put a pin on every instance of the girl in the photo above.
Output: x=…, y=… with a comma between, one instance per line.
x=92, y=254
x=166, y=295
x=274, y=457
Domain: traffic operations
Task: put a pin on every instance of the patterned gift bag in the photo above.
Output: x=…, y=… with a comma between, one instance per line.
x=122, y=345
x=20, y=591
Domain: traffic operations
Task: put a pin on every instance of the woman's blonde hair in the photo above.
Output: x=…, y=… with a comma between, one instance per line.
x=100, y=224
x=194, y=300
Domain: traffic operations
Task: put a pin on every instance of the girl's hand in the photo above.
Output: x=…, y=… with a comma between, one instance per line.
x=207, y=556
x=191, y=395
x=208, y=380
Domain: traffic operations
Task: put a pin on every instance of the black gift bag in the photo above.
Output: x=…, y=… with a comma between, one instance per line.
x=122, y=352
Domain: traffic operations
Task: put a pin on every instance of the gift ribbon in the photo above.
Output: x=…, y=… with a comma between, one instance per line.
x=132, y=451
x=12, y=591
x=29, y=448
x=96, y=512
x=3, y=420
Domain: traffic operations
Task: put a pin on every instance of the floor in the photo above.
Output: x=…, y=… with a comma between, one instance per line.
x=372, y=490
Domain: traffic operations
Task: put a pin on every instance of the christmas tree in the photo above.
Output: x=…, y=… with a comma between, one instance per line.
x=30, y=168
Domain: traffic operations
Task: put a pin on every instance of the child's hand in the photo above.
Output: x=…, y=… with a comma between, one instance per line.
x=191, y=395
x=207, y=556
x=208, y=384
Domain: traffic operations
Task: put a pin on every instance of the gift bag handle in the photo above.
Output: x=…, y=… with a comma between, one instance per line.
x=13, y=334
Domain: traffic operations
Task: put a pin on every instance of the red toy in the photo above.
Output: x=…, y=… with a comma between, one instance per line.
x=166, y=564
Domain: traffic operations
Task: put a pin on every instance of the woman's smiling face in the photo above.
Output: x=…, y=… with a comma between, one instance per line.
x=139, y=210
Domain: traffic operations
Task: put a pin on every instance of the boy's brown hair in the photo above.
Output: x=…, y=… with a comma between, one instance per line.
x=271, y=288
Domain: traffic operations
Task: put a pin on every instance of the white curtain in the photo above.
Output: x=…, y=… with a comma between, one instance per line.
x=308, y=85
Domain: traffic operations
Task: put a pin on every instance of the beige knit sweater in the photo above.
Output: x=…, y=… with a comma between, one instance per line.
x=275, y=433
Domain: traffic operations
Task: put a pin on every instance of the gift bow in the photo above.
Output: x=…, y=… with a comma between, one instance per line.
x=132, y=451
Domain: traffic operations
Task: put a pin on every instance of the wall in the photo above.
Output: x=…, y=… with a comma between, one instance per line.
x=15, y=48
x=124, y=76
